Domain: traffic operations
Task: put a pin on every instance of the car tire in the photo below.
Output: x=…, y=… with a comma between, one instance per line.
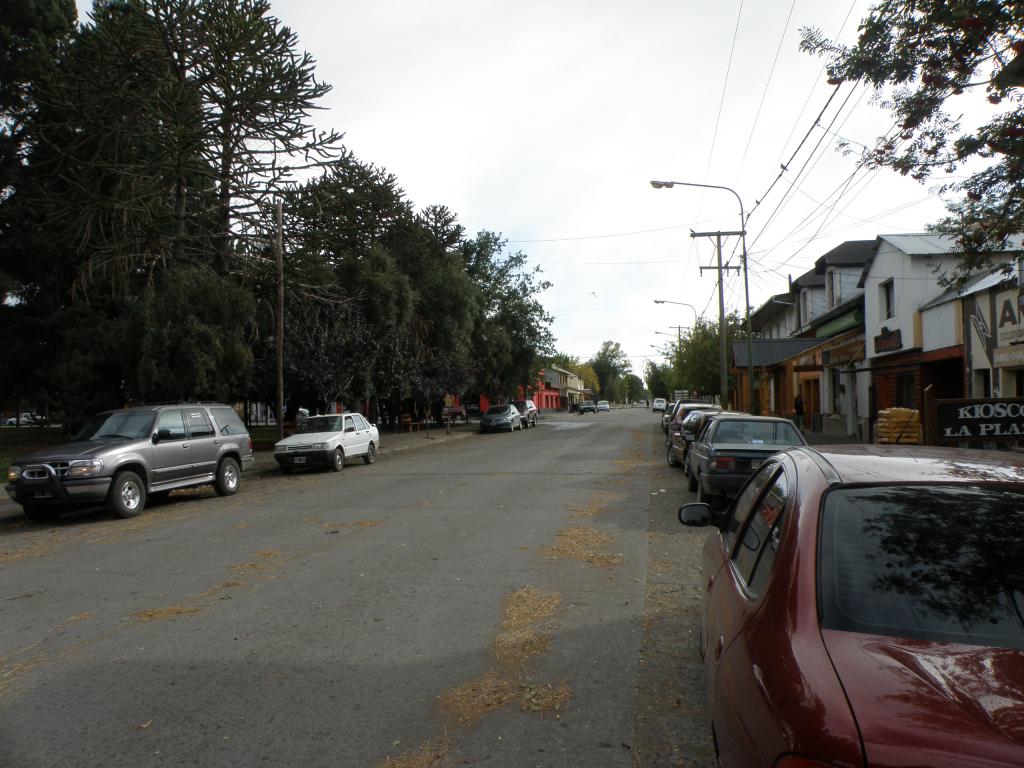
x=127, y=495
x=371, y=454
x=286, y=470
x=338, y=460
x=229, y=477
x=671, y=458
x=40, y=514
x=692, y=482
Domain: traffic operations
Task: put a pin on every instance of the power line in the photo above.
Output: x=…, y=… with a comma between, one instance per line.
x=725, y=87
x=764, y=93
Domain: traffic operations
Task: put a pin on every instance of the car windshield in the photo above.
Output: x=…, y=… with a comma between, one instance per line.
x=757, y=433
x=128, y=425
x=320, y=424
x=937, y=563
x=497, y=410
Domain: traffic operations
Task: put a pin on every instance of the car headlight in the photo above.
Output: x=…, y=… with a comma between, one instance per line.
x=280, y=449
x=318, y=446
x=85, y=467
x=13, y=473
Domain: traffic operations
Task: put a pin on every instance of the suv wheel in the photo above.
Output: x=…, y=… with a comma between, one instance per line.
x=371, y=454
x=40, y=514
x=127, y=495
x=228, y=477
x=338, y=461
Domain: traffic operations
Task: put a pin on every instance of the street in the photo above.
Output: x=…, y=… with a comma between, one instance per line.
x=523, y=599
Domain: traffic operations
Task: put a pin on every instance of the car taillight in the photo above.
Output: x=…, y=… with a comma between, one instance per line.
x=251, y=444
x=798, y=761
x=723, y=462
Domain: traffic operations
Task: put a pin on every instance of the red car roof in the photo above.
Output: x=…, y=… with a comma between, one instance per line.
x=863, y=463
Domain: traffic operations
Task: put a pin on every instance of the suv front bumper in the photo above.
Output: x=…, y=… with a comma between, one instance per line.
x=56, y=491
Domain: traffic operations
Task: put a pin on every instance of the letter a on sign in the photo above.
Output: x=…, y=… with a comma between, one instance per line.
x=1006, y=315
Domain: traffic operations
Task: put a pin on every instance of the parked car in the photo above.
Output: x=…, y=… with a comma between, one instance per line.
x=683, y=410
x=864, y=607
x=328, y=441
x=527, y=411
x=501, y=417
x=26, y=419
x=122, y=457
x=675, y=442
x=602, y=405
x=730, y=447
x=658, y=404
x=587, y=406
x=670, y=411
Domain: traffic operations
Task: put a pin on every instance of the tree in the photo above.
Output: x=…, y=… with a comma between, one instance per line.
x=701, y=355
x=928, y=58
x=610, y=364
x=32, y=34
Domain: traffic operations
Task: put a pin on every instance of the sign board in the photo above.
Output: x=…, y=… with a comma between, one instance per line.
x=1008, y=357
x=449, y=400
x=994, y=420
x=1009, y=328
x=888, y=340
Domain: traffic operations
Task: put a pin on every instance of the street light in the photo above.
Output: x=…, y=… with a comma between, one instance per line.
x=696, y=314
x=746, y=282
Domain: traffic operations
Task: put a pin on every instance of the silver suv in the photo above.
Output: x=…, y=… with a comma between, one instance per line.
x=122, y=457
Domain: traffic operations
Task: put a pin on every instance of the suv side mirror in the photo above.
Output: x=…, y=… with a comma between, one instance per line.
x=696, y=515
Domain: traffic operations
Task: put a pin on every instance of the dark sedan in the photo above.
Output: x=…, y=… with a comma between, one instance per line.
x=864, y=606
x=501, y=418
x=730, y=447
x=587, y=406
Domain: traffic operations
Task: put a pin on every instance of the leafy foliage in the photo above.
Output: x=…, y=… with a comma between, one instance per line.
x=928, y=61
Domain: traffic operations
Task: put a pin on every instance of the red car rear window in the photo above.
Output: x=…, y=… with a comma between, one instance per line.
x=938, y=563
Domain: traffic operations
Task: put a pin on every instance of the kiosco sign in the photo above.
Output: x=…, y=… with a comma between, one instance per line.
x=989, y=420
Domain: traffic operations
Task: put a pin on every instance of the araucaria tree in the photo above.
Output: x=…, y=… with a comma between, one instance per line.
x=139, y=157
x=933, y=63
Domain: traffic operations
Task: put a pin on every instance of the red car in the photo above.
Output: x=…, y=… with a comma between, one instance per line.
x=865, y=607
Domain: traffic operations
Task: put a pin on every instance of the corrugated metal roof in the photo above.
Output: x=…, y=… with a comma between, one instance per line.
x=982, y=283
x=769, y=351
x=927, y=243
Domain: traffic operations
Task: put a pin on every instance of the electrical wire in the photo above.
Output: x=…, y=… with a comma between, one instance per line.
x=764, y=93
x=725, y=88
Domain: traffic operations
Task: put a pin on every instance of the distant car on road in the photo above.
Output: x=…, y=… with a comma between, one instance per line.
x=732, y=446
x=602, y=405
x=864, y=608
x=501, y=417
x=658, y=404
x=27, y=419
x=328, y=441
x=587, y=406
x=123, y=457
x=527, y=411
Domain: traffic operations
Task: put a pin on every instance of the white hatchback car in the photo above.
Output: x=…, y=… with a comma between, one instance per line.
x=327, y=441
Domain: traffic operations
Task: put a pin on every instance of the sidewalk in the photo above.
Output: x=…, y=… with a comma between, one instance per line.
x=390, y=442
x=820, y=438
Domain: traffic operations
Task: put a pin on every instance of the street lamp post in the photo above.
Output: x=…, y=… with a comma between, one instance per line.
x=746, y=281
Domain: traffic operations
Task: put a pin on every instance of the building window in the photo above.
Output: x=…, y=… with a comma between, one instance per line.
x=887, y=300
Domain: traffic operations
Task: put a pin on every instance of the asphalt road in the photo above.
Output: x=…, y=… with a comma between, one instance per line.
x=510, y=600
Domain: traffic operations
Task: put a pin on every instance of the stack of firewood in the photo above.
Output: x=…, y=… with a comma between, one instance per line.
x=899, y=426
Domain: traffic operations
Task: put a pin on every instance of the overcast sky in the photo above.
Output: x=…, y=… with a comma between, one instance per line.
x=546, y=120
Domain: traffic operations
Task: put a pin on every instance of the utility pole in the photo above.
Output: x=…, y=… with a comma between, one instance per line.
x=723, y=372
x=279, y=332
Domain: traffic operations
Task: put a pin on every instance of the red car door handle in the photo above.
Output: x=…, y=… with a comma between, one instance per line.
x=719, y=646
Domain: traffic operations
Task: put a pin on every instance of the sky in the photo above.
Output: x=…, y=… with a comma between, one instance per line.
x=545, y=121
